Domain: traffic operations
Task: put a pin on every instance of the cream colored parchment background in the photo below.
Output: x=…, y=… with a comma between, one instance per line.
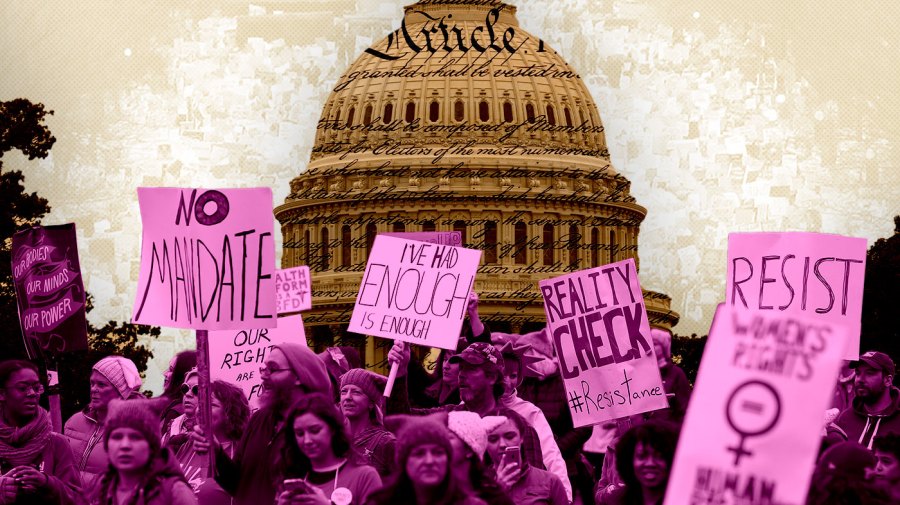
x=726, y=115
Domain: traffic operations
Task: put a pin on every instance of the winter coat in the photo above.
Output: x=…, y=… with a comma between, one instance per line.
x=63, y=480
x=164, y=484
x=250, y=476
x=85, y=436
x=862, y=427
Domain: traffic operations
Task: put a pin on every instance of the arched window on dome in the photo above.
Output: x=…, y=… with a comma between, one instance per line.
x=388, y=115
x=521, y=243
x=429, y=226
x=434, y=111
x=323, y=259
x=573, y=247
x=410, y=112
x=484, y=111
x=398, y=227
x=307, y=246
x=490, y=241
x=371, y=231
x=459, y=110
x=507, y=112
x=346, y=244
x=595, y=247
x=367, y=115
x=613, y=248
x=529, y=112
x=568, y=116
x=460, y=226
x=547, y=244
x=350, y=116
x=551, y=115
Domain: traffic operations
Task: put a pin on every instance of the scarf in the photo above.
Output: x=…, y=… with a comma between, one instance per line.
x=21, y=446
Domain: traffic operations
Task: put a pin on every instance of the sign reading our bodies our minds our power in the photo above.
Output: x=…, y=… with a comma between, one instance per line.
x=800, y=273
x=415, y=291
x=207, y=259
x=754, y=426
x=598, y=324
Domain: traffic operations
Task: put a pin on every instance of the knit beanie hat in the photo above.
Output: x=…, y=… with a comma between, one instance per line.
x=371, y=383
x=418, y=431
x=121, y=373
x=472, y=428
x=664, y=339
x=134, y=414
x=849, y=459
x=308, y=368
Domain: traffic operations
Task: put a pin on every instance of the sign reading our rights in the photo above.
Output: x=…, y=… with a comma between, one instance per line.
x=415, y=291
x=598, y=324
x=800, y=273
x=207, y=259
x=754, y=426
x=236, y=356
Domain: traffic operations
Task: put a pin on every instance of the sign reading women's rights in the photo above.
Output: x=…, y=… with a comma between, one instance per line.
x=598, y=324
x=754, y=425
x=800, y=273
x=410, y=285
x=207, y=259
x=235, y=356
x=49, y=289
x=292, y=290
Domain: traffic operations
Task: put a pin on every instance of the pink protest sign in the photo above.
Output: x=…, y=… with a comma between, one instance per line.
x=415, y=291
x=752, y=431
x=292, y=289
x=235, y=356
x=800, y=273
x=50, y=295
x=598, y=324
x=207, y=259
x=453, y=238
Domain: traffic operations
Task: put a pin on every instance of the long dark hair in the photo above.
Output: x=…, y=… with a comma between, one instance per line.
x=235, y=408
x=659, y=436
x=295, y=464
x=184, y=361
x=399, y=489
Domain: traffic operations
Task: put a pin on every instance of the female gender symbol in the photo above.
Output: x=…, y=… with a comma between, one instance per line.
x=752, y=410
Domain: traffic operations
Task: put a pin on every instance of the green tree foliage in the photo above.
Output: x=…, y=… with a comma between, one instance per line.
x=881, y=305
x=686, y=353
x=22, y=128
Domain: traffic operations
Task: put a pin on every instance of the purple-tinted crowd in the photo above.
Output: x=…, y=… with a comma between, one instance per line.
x=489, y=425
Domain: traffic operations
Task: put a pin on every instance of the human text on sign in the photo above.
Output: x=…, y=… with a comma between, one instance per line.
x=207, y=258
x=598, y=324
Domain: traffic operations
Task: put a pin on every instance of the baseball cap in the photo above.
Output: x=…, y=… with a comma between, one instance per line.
x=480, y=353
x=877, y=360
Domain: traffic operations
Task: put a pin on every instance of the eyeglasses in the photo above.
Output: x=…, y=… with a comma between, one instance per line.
x=195, y=390
x=269, y=370
x=25, y=389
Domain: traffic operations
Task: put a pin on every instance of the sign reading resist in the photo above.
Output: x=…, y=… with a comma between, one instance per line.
x=207, y=259
x=800, y=273
x=236, y=356
x=408, y=285
x=753, y=429
x=598, y=324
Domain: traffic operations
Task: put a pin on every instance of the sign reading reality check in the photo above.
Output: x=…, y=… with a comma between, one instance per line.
x=207, y=259
x=752, y=432
x=599, y=327
x=410, y=285
x=800, y=273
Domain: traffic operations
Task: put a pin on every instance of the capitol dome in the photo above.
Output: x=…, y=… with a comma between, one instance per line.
x=461, y=120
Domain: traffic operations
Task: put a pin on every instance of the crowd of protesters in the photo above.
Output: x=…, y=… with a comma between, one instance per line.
x=488, y=426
